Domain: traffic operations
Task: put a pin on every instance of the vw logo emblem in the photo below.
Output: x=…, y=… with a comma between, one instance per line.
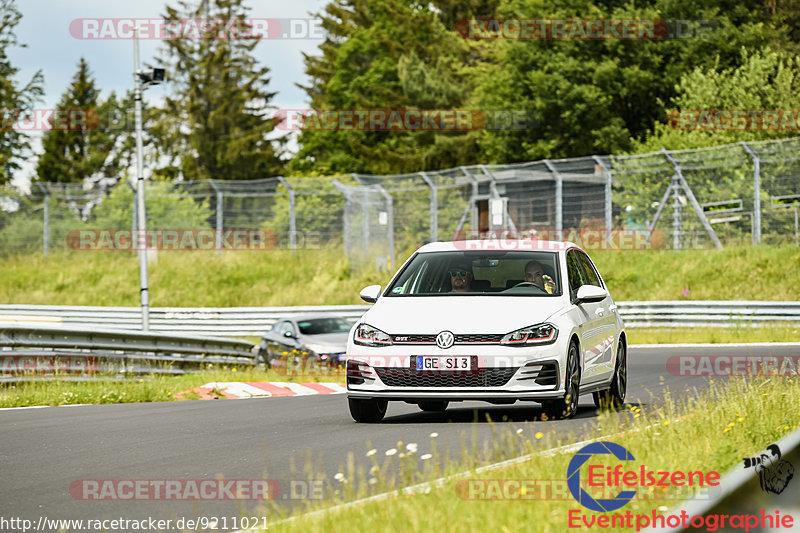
x=445, y=339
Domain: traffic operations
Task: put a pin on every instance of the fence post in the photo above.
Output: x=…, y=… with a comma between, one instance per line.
x=348, y=244
x=756, y=192
x=219, y=215
x=389, y=224
x=46, y=232
x=365, y=214
x=559, y=195
x=680, y=183
x=608, y=205
x=292, y=220
x=471, y=206
x=434, y=207
x=496, y=195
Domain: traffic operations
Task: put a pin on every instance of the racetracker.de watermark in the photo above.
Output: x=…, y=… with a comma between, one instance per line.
x=783, y=366
x=195, y=489
x=384, y=120
x=49, y=119
x=591, y=29
x=588, y=239
x=192, y=240
x=734, y=119
x=196, y=28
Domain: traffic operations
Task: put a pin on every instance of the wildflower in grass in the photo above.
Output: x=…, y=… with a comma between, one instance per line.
x=539, y=435
x=523, y=490
x=666, y=422
x=373, y=480
x=339, y=477
x=740, y=419
x=685, y=292
x=636, y=415
x=372, y=452
x=411, y=447
x=374, y=470
x=731, y=425
x=519, y=431
x=663, y=508
x=434, y=435
x=425, y=456
x=391, y=452
x=233, y=369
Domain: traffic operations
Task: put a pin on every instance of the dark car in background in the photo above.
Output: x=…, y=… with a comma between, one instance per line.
x=322, y=338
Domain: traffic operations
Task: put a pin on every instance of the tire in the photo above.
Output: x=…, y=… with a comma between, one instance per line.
x=262, y=361
x=567, y=406
x=614, y=396
x=367, y=411
x=434, y=406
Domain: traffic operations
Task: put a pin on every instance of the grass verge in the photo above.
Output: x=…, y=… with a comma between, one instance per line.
x=146, y=388
x=711, y=430
x=713, y=335
x=323, y=277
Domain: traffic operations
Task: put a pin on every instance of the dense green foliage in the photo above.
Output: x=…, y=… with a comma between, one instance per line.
x=14, y=98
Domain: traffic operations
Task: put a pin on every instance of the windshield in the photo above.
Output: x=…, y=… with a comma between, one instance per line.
x=320, y=326
x=479, y=273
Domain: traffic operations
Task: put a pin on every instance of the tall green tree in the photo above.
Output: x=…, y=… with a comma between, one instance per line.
x=215, y=122
x=388, y=55
x=13, y=96
x=82, y=149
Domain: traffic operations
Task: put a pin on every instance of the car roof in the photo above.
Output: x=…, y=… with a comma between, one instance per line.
x=504, y=245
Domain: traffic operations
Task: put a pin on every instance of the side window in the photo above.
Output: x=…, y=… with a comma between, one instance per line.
x=573, y=272
x=590, y=274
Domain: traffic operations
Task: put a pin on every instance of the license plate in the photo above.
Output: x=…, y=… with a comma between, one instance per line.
x=457, y=362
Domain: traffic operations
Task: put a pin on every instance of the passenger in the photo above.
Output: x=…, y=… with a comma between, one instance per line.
x=534, y=273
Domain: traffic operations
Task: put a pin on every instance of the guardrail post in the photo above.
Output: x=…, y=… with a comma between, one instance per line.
x=434, y=207
x=46, y=231
x=389, y=224
x=292, y=220
x=756, y=192
x=559, y=195
x=493, y=188
x=219, y=215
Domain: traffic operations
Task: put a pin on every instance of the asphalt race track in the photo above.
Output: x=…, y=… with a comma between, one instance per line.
x=44, y=450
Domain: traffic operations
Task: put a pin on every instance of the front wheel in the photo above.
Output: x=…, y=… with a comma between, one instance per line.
x=567, y=406
x=614, y=396
x=367, y=411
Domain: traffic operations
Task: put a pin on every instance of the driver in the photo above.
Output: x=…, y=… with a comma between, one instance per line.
x=534, y=273
x=461, y=278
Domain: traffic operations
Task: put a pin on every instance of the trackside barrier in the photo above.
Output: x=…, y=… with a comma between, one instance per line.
x=42, y=351
x=753, y=491
x=254, y=321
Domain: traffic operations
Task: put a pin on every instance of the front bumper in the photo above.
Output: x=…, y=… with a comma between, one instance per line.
x=498, y=373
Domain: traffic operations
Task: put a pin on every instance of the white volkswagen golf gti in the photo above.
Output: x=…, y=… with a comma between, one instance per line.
x=494, y=321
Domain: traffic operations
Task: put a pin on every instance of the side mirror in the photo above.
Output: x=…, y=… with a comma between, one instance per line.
x=370, y=294
x=591, y=293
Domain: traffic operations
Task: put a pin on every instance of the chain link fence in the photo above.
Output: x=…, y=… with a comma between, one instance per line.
x=710, y=197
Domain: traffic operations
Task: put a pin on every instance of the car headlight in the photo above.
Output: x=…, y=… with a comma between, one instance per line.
x=366, y=335
x=538, y=334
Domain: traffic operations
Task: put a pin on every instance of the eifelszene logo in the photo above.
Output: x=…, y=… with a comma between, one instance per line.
x=640, y=477
x=774, y=473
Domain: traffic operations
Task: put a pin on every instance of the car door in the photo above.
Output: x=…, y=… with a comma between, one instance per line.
x=588, y=319
x=603, y=324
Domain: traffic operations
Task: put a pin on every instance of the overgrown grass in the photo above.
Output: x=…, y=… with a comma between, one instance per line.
x=146, y=388
x=713, y=335
x=278, y=278
x=707, y=431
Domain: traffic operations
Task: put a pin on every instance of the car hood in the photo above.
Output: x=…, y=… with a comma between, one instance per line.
x=460, y=314
x=334, y=342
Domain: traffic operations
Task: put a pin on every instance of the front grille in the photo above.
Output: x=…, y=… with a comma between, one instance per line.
x=485, y=338
x=406, y=377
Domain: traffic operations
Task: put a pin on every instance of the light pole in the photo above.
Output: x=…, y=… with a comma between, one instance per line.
x=142, y=80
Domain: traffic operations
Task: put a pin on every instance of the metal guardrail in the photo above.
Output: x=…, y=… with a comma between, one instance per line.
x=741, y=493
x=35, y=351
x=254, y=321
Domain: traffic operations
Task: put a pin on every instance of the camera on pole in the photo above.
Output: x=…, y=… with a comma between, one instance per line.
x=152, y=76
